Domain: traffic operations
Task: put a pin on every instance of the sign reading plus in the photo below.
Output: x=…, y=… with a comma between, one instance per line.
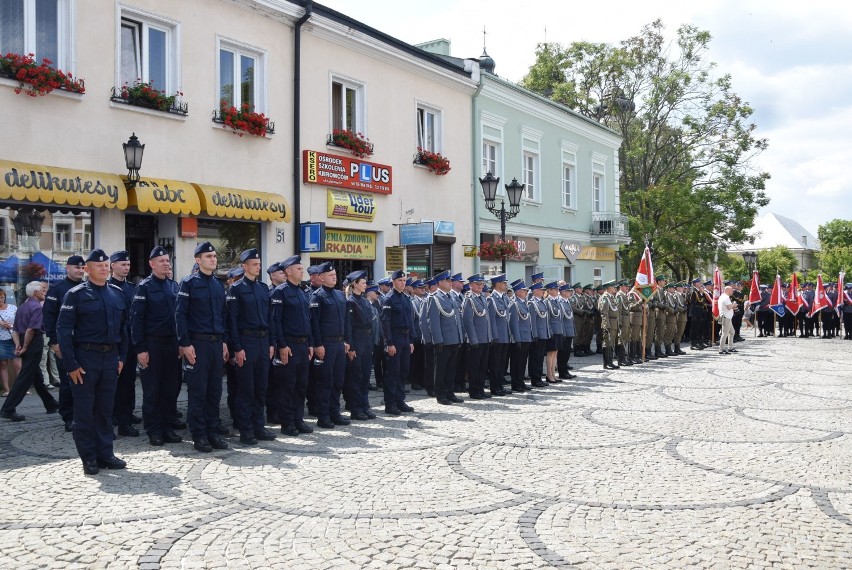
x=345, y=172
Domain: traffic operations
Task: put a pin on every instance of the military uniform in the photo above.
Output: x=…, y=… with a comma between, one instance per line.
x=699, y=308
x=610, y=314
x=670, y=310
x=659, y=310
x=592, y=319
x=152, y=331
x=478, y=336
x=623, y=325
x=681, y=306
x=578, y=308
x=92, y=334
x=636, y=306
x=398, y=332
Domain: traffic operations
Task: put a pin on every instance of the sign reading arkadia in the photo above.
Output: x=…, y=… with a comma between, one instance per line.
x=347, y=244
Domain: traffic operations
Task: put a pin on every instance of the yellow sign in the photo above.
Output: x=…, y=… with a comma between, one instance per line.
x=588, y=253
x=393, y=258
x=63, y=186
x=164, y=197
x=469, y=250
x=347, y=244
x=351, y=206
x=243, y=204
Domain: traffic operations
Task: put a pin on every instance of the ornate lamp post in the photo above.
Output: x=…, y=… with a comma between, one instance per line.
x=514, y=191
x=133, y=150
x=750, y=259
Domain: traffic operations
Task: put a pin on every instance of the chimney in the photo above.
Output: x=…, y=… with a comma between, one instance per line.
x=805, y=241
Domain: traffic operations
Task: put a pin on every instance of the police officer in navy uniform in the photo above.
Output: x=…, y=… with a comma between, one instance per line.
x=125, y=392
x=154, y=337
x=359, y=364
x=92, y=333
x=445, y=330
x=520, y=323
x=478, y=336
x=276, y=278
x=541, y=325
x=74, y=270
x=291, y=319
x=252, y=347
x=498, y=314
x=332, y=332
x=200, y=320
x=398, y=331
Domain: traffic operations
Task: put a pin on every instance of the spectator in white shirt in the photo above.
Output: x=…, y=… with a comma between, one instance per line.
x=726, y=314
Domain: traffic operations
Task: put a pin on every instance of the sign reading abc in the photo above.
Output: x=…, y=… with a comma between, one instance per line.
x=345, y=172
x=351, y=206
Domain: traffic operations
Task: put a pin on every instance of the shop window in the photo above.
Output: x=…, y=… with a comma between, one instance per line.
x=242, y=76
x=428, y=128
x=40, y=27
x=597, y=274
x=347, y=105
x=148, y=51
x=230, y=238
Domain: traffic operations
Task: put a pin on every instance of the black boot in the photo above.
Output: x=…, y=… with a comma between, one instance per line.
x=678, y=351
x=612, y=364
x=670, y=351
x=635, y=346
x=648, y=355
x=660, y=352
x=607, y=359
x=622, y=361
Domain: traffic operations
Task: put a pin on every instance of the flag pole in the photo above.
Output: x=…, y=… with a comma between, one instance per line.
x=644, y=329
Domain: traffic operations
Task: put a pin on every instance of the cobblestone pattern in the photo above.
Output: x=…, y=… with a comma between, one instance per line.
x=699, y=461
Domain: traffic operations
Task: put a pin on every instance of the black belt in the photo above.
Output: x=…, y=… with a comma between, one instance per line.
x=334, y=338
x=207, y=337
x=255, y=333
x=296, y=339
x=400, y=331
x=91, y=347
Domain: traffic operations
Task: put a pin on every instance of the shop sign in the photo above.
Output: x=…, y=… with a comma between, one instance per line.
x=417, y=234
x=346, y=172
x=597, y=254
x=572, y=251
x=351, y=206
x=346, y=244
x=312, y=234
x=528, y=247
x=470, y=250
x=393, y=258
x=417, y=269
x=568, y=248
x=445, y=228
x=51, y=185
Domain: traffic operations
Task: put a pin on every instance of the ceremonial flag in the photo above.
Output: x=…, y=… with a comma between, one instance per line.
x=645, y=283
x=794, y=299
x=776, y=300
x=838, y=307
x=754, y=293
x=820, y=299
x=717, y=290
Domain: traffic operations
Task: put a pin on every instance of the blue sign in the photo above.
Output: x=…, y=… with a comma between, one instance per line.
x=313, y=237
x=445, y=228
x=416, y=234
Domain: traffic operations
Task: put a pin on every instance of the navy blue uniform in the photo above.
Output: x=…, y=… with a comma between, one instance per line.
x=50, y=314
x=356, y=388
x=291, y=319
x=92, y=334
x=249, y=330
x=200, y=322
x=398, y=331
x=446, y=333
x=152, y=330
x=331, y=329
x=125, y=392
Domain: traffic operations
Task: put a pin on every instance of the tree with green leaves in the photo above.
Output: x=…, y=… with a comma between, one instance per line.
x=833, y=261
x=836, y=233
x=778, y=259
x=688, y=184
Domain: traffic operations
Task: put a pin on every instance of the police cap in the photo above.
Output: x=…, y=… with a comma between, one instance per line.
x=205, y=247
x=457, y=277
x=282, y=265
x=249, y=254
x=325, y=267
x=552, y=285
x=97, y=255
x=75, y=260
x=236, y=273
x=158, y=251
x=119, y=255
x=498, y=279
x=355, y=276
x=476, y=278
x=398, y=274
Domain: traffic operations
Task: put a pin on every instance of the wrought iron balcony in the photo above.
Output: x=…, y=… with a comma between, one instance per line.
x=610, y=227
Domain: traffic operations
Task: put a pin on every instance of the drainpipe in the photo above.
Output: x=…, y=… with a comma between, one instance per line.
x=297, y=105
x=473, y=147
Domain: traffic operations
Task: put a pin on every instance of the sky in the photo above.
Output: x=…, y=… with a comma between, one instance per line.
x=791, y=61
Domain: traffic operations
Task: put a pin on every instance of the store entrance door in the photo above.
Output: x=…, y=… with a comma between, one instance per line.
x=140, y=234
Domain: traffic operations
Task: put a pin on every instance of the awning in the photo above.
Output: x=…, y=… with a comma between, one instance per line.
x=243, y=204
x=61, y=186
x=159, y=196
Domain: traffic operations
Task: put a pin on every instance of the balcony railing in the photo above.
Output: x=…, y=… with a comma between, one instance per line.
x=610, y=224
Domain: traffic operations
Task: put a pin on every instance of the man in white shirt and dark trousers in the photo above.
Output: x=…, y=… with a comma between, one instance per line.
x=726, y=314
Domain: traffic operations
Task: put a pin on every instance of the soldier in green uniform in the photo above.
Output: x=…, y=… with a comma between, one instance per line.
x=578, y=305
x=660, y=317
x=681, y=305
x=636, y=305
x=651, y=325
x=623, y=323
x=670, y=308
x=590, y=308
x=609, y=312
x=596, y=316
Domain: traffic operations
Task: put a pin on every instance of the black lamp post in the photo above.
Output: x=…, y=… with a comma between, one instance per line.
x=750, y=259
x=514, y=190
x=133, y=150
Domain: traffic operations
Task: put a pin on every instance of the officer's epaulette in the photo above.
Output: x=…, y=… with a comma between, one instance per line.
x=114, y=285
x=82, y=285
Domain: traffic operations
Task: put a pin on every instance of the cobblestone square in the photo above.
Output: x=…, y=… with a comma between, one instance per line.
x=699, y=461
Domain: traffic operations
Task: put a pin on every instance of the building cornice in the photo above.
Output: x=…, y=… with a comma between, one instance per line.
x=278, y=10
x=489, y=226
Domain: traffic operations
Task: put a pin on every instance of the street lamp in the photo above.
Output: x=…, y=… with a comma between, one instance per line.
x=750, y=259
x=133, y=158
x=514, y=191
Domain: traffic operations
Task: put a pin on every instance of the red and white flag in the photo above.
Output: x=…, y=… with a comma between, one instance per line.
x=717, y=290
x=754, y=293
x=645, y=283
x=821, y=301
x=838, y=306
x=794, y=300
x=776, y=299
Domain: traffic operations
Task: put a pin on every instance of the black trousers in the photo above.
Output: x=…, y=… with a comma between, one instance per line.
x=461, y=367
x=536, y=359
x=291, y=385
x=415, y=374
x=429, y=368
x=476, y=365
x=518, y=353
x=563, y=355
x=445, y=369
x=497, y=355
x=737, y=321
x=379, y=364
x=160, y=387
x=30, y=376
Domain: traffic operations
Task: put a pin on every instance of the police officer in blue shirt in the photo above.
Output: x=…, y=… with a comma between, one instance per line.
x=252, y=347
x=398, y=331
x=498, y=314
x=291, y=318
x=521, y=325
x=153, y=334
x=359, y=365
x=200, y=320
x=445, y=331
x=125, y=392
x=92, y=332
x=74, y=270
x=332, y=332
x=541, y=326
x=478, y=335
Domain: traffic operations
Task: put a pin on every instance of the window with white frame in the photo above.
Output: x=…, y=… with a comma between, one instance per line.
x=532, y=191
x=148, y=51
x=40, y=27
x=598, y=275
x=491, y=152
x=347, y=105
x=569, y=181
x=63, y=236
x=428, y=128
x=242, y=76
x=598, y=189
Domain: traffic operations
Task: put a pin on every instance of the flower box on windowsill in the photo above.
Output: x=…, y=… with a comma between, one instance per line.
x=243, y=121
x=354, y=142
x=161, y=102
x=36, y=79
x=434, y=161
